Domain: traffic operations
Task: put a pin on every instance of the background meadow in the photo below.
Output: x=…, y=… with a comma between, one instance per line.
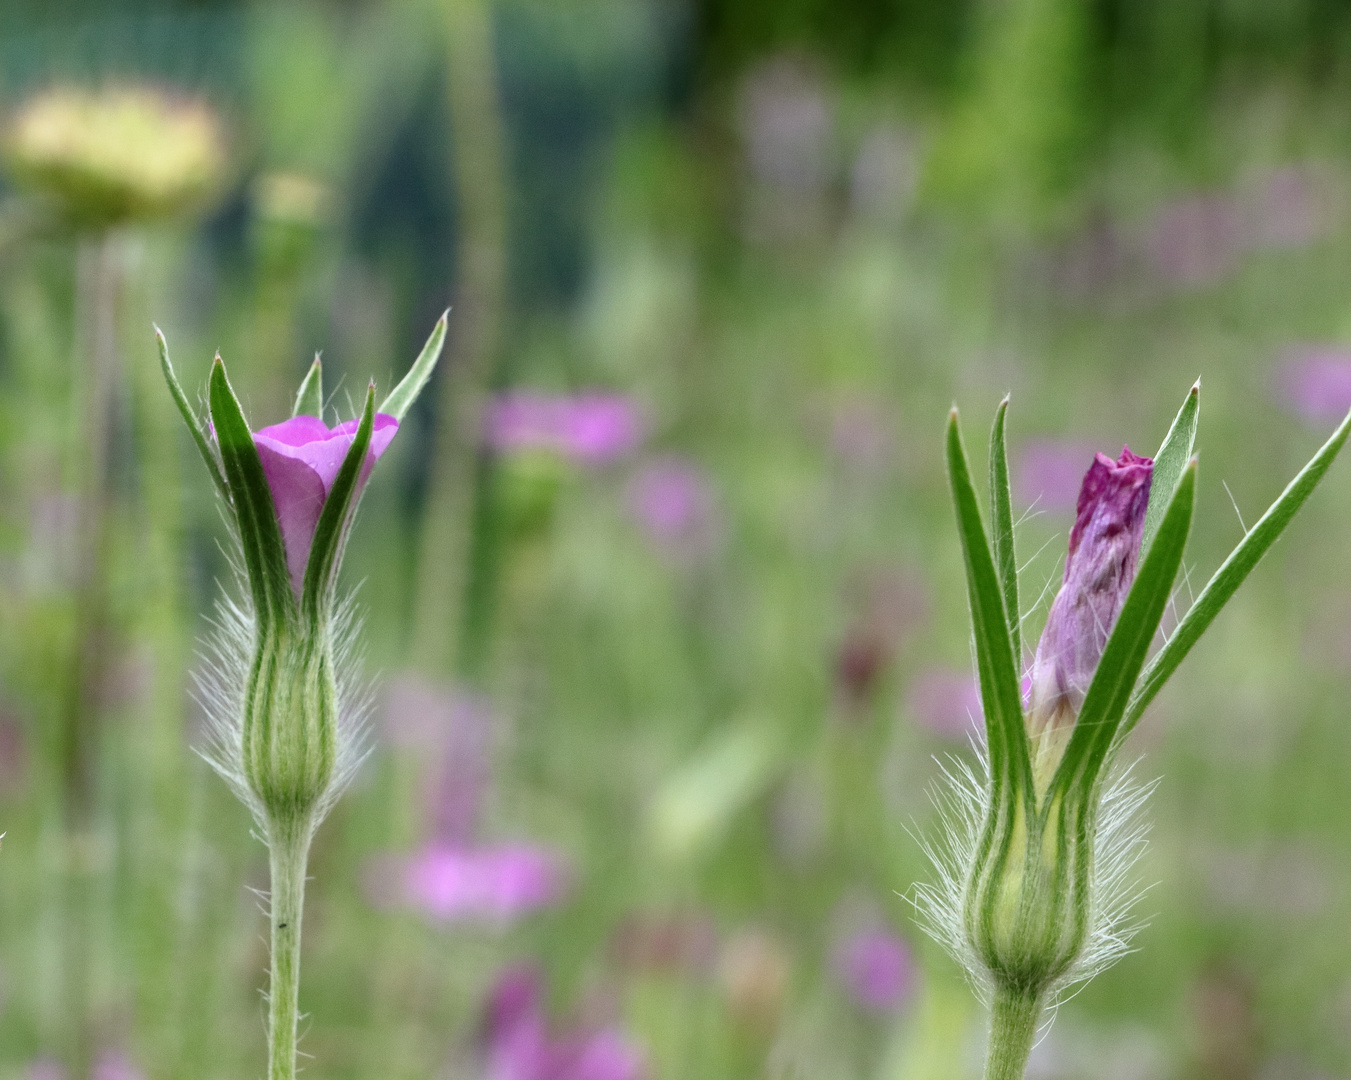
x=665, y=615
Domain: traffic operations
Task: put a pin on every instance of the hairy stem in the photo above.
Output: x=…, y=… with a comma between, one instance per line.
x=290, y=851
x=1013, y=1023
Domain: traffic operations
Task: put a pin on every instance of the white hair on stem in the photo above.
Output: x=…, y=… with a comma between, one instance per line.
x=226, y=654
x=961, y=797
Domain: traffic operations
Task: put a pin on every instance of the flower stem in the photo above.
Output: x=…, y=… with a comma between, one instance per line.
x=290, y=851
x=1013, y=1023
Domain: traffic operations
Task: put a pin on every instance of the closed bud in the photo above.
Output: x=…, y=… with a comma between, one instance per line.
x=1104, y=551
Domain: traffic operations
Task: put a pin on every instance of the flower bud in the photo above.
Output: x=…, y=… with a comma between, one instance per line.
x=1104, y=550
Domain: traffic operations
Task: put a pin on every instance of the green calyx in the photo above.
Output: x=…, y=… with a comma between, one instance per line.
x=1027, y=905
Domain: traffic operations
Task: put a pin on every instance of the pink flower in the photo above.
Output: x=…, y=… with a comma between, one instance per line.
x=46, y=1069
x=1315, y=382
x=876, y=968
x=592, y=428
x=495, y=884
x=301, y=458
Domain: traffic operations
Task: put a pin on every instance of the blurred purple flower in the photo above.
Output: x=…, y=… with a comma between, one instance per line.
x=1283, y=209
x=947, y=702
x=592, y=428
x=496, y=884
x=1315, y=382
x=519, y=1045
x=1104, y=547
x=861, y=433
x=1195, y=240
x=1047, y=473
x=115, y=1067
x=301, y=459
x=451, y=728
x=45, y=1069
x=673, y=500
x=876, y=968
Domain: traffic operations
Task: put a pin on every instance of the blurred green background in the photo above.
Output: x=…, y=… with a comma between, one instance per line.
x=665, y=617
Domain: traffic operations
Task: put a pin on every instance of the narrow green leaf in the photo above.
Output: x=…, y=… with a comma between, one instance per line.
x=195, y=426
x=310, y=396
x=1231, y=575
x=1006, y=736
x=1172, y=458
x=401, y=398
x=330, y=532
x=259, y=531
x=1126, y=649
x=1001, y=527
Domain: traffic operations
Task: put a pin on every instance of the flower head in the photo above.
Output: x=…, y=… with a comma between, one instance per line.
x=118, y=154
x=301, y=458
x=1104, y=549
x=461, y=883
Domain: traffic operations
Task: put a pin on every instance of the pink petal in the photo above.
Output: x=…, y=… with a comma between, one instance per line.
x=301, y=458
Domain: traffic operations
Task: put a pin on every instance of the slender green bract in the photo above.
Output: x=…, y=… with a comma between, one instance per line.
x=1001, y=526
x=1170, y=461
x=994, y=648
x=401, y=398
x=310, y=396
x=1231, y=575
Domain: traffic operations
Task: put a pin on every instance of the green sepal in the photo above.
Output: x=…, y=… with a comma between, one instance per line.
x=255, y=513
x=330, y=532
x=1001, y=526
x=1231, y=575
x=1170, y=461
x=1126, y=649
x=1006, y=736
x=401, y=398
x=195, y=426
x=310, y=396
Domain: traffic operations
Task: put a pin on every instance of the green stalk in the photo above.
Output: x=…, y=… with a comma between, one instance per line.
x=290, y=852
x=1013, y=1025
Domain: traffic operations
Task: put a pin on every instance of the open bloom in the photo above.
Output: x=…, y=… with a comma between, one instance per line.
x=1099, y=569
x=301, y=458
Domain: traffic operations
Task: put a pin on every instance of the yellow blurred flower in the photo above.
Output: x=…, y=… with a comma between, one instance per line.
x=115, y=155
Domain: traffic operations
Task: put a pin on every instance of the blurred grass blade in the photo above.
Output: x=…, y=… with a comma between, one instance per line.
x=329, y=532
x=1124, y=655
x=195, y=426
x=255, y=514
x=1001, y=527
x=1007, y=739
x=310, y=396
x=1169, y=462
x=1231, y=575
x=401, y=398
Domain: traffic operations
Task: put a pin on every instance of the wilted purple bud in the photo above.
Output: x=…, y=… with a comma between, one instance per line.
x=1103, y=552
x=592, y=428
x=876, y=968
x=301, y=458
